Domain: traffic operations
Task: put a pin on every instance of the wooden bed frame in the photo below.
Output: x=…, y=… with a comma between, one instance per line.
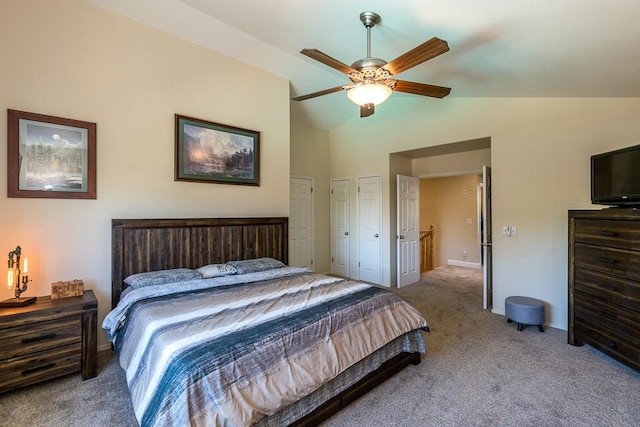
x=139, y=245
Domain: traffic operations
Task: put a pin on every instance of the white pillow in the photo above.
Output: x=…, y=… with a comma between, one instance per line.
x=216, y=270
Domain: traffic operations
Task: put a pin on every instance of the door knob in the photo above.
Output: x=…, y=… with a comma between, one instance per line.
x=375, y=235
x=346, y=233
x=401, y=237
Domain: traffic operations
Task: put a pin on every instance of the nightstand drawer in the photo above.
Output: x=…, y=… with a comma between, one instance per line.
x=36, y=367
x=40, y=336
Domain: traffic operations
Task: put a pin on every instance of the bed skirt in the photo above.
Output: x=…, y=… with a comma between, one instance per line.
x=412, y=342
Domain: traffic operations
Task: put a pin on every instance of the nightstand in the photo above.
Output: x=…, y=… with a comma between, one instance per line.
x=48, y=339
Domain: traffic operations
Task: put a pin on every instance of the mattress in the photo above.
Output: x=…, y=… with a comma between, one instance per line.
x=263, y=347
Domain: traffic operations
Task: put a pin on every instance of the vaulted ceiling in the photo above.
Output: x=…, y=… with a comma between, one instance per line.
x=498, y=48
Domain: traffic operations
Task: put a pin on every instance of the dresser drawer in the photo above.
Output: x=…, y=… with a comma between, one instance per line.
x=610, y=343
x=610, y=329
x=40, y=366
x=622, y=323
x=613, y=289
x=612, y=233
x=22, y=340
x=607, y=260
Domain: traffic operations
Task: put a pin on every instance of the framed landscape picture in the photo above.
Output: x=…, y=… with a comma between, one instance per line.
x=212, y=152
x=50, y=157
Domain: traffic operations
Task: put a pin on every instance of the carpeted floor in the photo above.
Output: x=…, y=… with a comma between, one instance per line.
x=478, y=371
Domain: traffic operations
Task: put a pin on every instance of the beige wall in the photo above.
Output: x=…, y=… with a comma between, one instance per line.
x=540, y=149
x=452, y=164
x=71, y=59
x=451, y=205
x=310, y=159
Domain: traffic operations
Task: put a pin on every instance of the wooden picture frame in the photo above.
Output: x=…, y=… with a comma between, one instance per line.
x=50, y=157
x=216, y=153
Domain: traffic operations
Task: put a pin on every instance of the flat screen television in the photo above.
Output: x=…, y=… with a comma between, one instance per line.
x=615, y=177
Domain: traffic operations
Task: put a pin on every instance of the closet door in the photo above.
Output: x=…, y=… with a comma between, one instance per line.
x=301, y=223
x=340, y=226
x=369, y=229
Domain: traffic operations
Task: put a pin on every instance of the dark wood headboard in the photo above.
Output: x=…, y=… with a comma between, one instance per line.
x=139, y=245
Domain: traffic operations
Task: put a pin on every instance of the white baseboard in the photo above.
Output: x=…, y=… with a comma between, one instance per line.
x=464, y=264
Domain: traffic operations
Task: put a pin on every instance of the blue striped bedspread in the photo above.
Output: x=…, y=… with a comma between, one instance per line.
x=231, y=350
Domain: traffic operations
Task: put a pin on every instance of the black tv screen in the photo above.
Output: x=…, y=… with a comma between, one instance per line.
x=615, y=177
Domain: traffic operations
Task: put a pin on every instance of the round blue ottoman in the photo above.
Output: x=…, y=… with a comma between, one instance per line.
x=525, y=311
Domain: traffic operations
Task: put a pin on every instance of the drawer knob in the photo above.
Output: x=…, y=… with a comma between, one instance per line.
x=38, y=338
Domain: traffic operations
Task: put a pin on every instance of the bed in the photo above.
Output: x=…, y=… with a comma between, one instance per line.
x=247, y=331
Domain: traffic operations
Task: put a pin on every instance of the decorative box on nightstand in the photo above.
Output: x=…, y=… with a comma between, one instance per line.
x=48, y=339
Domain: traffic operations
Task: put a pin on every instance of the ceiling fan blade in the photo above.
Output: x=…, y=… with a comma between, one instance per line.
x=421, y=89
x=427, y=50
x=320, y=93
x=367, y=110
x=327, y=60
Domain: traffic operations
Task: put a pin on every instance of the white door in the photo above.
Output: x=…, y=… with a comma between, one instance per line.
x=369, y=229
x=301, y=223
x=340, y=232
x=408, y=230
x=487, y=293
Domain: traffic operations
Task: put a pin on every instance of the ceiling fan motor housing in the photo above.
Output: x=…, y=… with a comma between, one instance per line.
x=369, y=19
x=368, y=63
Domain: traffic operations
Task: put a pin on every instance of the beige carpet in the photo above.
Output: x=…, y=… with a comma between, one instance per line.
x=478, y=371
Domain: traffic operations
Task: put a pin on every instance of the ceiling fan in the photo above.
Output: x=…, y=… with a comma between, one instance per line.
x=371, y=78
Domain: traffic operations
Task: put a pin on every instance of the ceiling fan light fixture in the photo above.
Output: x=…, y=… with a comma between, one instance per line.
x=369, y=93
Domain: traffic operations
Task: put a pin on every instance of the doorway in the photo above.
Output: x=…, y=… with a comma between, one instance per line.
x=459, y=208
x=465, y=158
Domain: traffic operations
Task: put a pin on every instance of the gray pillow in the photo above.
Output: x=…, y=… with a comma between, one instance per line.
x=160, y=277
x=216, y=270
x=255, y=265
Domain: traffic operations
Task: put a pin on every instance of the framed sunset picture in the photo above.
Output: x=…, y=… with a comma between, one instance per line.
x=216, y=153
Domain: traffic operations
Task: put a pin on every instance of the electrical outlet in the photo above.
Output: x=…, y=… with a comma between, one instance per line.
x=464, y=254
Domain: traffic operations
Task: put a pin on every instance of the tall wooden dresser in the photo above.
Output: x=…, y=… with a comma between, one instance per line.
x=604, y=282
